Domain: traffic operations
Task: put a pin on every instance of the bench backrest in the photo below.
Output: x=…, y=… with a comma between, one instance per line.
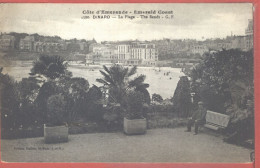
x=217, y=119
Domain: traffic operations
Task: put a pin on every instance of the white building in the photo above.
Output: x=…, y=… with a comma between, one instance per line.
x=126, y=53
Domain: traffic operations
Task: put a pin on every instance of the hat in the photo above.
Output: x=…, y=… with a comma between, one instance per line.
x=200, y=103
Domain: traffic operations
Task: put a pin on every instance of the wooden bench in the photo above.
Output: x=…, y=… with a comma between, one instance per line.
x=216, y=121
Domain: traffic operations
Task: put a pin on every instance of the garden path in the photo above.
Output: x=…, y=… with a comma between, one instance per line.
x=157, y=145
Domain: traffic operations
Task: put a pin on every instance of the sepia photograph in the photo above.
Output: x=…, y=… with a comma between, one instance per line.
x=127, y=82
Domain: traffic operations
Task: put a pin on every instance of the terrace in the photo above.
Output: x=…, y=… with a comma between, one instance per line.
x=157, y=145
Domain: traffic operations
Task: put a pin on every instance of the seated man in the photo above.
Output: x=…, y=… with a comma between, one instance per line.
x=198, y=118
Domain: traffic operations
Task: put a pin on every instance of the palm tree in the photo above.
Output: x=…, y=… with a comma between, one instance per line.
x=117, y=80
x=50, y=66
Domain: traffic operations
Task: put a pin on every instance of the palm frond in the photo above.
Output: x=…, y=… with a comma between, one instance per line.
x=106, y=69
x=132, y=71
x=107, y=77
x=145, y=85
x=102, y=81
x=137, y=81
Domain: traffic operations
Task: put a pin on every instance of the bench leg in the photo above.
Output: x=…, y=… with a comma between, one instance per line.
x=196, y=127
x=189, y=124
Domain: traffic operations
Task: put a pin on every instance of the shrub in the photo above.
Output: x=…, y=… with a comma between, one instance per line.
x=28, y=90
x=157, y=98
x=223, y=78
x=182, y=97
x=159, y=108
x=9, y=101
x=48, y=89
x=56, y=113
x=135, y=102
x=75, y=92
x=93, y=109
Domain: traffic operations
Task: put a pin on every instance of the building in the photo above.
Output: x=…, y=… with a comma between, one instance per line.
x=83, y=46
x=102, y=54
x=123, y=52
x=49, y=46
x=249, y=35
x=239, y=42
x=109, y=55
x=90, y=58
x=224, y=45
x=79, y=57
x=199, y=49
x=126, y=53
x=143, y=53
x=27, y=44
x=41, y=44
x=250, y=28
x=7, y=42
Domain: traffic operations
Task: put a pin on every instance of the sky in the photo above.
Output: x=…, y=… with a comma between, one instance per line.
x=191, y=21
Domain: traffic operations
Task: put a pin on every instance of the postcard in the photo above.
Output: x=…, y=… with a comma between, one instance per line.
x=127, y=83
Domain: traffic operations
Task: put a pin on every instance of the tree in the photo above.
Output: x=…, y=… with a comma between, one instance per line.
x=94, y=109
x=56, y=113
x=28, y=90
x=75, y=91
x=117, y=80
x=9, y=101
x=182, y=97
x=48, y=89
x=50, y=66
x=73, y=46
x=224, y=78
x=135, y=101
x=157, y=98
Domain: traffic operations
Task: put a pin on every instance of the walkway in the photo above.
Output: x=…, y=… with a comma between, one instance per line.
x=157, y=145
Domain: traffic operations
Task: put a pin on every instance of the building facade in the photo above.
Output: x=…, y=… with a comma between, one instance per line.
x=143, y=53
x=49, y=46
x=7, y=42
x=102, y=54
x=199, y=49
x=126, y=53
x=27, y=43
x=250, y=35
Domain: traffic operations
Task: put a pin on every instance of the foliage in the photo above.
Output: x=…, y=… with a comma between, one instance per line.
x=9, y=101
x=135, y=102
x=75, y=92
x=117, y=80
x=161, y=108
x=94, y=110
x=33, y=101
x=47, y=89
x=161, y=120
x=50, y=66
x=222, y=75
x=156, y=97
x=28, y=90
x=181, y=97
x=73, y=47
x=56, y=110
